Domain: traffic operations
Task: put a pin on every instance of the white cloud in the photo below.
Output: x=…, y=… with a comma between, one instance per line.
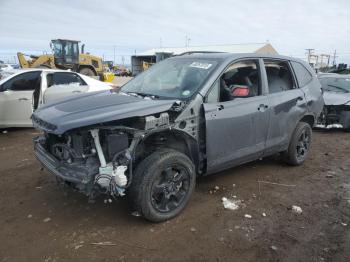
x=290, y=25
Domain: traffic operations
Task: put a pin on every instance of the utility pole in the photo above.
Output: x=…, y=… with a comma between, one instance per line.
x=309, y=52
x=114, y=55
x=187, y=41
x=334, y=57
x=160, y=42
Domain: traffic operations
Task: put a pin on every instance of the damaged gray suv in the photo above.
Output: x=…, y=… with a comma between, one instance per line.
x=187, y=116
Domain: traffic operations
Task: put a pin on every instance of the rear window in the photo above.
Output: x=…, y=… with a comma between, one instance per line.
x=303, y=75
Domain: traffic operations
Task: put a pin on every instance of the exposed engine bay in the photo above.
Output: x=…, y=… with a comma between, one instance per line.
x=99, y=159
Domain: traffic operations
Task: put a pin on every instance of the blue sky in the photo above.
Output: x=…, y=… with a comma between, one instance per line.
x=290, y=26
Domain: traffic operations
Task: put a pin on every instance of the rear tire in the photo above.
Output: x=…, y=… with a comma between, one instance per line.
x=162, y=185
x=299, y=145
x=87, y=71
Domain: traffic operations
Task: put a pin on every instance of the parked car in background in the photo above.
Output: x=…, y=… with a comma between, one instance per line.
x=23, y=91
x=187, y=116
x=122, y=72
x=5, y=67
x=6, y=73
x=337, y=100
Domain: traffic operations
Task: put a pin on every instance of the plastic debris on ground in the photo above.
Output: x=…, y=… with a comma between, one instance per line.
x=330, y=126
x=78, y=246
x=136, y=214
x=247, y=216
x=230, y=204
x=47, y=220
x=297, y=210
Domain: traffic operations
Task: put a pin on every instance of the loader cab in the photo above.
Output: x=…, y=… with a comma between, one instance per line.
x=66, y=52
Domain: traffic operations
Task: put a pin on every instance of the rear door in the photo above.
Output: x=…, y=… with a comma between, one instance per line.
x=16, y=97
x=287, y=102
x=311, y=87
x=63, y=84
x=236, y=128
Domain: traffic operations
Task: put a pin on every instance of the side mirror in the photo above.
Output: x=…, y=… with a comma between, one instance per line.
x=239, y=91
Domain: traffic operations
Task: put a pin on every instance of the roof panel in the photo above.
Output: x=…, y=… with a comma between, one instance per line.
x=234, y=48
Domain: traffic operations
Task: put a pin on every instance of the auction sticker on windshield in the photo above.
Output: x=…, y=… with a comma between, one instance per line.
x=201, y=65
x=186, y=93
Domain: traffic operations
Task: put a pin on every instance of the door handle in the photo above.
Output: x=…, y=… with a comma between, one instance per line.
x=220, y=107
x=76, y=91
x=299, y=98
x=23, y=99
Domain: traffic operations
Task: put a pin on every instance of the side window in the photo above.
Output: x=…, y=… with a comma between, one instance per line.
x=213, y=95
x=23, y=82
x=303, y=75
x=279, y=76
x=64, y=79
x=240, y=80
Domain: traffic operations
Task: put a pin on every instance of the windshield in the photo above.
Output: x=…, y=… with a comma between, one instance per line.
x=171, y=78
x=341, y=85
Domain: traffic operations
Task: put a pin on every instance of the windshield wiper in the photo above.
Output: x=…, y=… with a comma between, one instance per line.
x=341, y=88
x=140, y=94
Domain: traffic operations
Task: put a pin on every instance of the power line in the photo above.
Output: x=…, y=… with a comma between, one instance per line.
x=309, y=52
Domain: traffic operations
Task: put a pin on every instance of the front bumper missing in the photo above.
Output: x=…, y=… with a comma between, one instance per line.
x=82, y=176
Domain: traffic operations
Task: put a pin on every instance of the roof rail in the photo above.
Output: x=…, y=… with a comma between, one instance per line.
x=199, y=52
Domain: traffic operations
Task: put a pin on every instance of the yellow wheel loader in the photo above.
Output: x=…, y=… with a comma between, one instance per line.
x=66, y=55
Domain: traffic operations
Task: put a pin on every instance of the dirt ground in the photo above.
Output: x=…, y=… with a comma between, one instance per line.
x=41, y=222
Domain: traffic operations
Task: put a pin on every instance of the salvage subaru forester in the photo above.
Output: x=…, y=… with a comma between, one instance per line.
x=187, y=116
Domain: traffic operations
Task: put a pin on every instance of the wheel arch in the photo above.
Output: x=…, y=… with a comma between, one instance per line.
x=308, y=118
x=174, y=139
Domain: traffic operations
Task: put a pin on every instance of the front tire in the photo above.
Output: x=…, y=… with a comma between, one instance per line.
x=87, y=71
x=299, y=145
x=162, y=185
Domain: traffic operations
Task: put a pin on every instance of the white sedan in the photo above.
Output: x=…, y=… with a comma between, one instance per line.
x=27, y=89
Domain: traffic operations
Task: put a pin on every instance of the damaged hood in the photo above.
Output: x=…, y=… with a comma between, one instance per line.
x=336, y=98
x=94, y=108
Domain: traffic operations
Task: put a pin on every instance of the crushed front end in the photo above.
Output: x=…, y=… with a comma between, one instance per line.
x=91, y=160
x=99, y=159
x=336, y=115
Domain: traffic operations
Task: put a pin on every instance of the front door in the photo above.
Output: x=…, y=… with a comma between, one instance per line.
x=16, y=97
x=236, y=126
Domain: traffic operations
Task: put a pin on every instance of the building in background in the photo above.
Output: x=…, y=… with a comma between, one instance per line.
x=143, y=61
x=318, y=61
